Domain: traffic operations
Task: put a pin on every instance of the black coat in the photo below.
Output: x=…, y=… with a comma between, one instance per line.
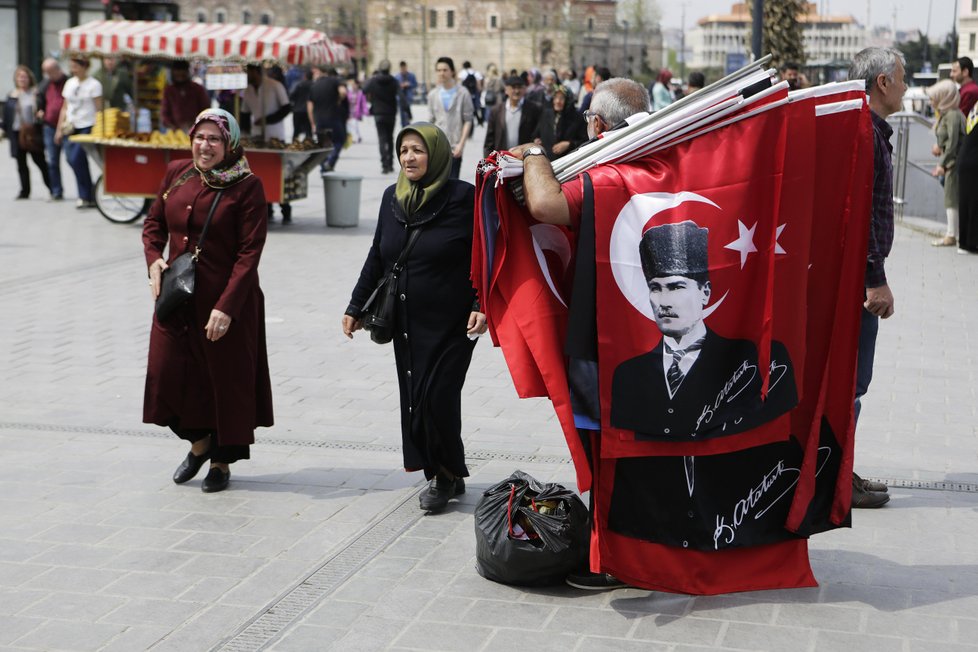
x=435, y=297
x=968, y=192
x=9, y=111
x=382, y=90
x=496, y=127
x=571, y=127
x=719, y=396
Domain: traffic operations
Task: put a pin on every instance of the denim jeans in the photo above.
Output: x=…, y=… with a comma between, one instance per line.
x=337, y=129
x=78, y=160
x=52, y=152
x=868, y=330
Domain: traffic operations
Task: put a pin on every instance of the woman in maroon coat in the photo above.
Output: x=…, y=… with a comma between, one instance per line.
x=207, y=378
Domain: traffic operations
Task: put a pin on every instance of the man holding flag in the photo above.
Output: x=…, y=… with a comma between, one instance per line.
x=883, y=71
x=656, y=287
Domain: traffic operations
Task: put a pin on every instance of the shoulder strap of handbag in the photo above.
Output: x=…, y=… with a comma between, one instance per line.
x=412, y=238
x=396, y=270
x=207, y=223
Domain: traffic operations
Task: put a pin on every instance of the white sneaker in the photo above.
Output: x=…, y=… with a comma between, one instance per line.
x=963, y=252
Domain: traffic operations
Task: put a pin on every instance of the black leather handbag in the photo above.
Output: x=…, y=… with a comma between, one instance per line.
x=378, y=311
x=179, y=278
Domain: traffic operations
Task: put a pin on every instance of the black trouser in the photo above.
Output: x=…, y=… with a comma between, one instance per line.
x=300, y=124
x=385, y=139
x=219, y=454
x=25, y=174
x=456, y=168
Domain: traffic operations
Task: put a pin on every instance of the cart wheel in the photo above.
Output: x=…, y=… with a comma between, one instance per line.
x=119, y=209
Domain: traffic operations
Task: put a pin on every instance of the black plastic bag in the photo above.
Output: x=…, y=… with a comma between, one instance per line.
x=530, y=533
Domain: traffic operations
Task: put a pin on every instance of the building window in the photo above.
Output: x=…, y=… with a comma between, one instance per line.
x=974, y=6
x=450, y=19
x=220, y=16
x=971, y=42
x=201, y=16
x=246, y=17
x=590, y=24
x=266, y=18
x=432, y=19
x=545, y=17
x=493, y=21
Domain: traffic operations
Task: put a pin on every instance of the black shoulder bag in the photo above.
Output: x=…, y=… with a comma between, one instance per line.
x=378, y=311
x=179, y=278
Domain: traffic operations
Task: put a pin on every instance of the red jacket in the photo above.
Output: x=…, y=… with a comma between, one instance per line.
x=223, y=385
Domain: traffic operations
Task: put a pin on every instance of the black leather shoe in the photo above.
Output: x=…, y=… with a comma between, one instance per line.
x=189, y=468
x=216, y=480
x=869, y=485
x=863, y=499
x=594, y=581
x=439, y=491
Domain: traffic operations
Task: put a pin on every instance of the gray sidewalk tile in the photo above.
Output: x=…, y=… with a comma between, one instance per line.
x=106, y=526
x=14, y=627
x=449, y=639
x=74, y=606
x=336, y=613
x=136, y=637
x=66, y=635
x=826, y=641
x=513, y=615
x=672, y=629
x=303, y=638
x=751, y=636
x=607, y=622
x=603, y=644
x=371, y=633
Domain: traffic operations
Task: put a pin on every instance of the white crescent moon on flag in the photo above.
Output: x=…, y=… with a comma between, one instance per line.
x=547, y=237
x=626, y=263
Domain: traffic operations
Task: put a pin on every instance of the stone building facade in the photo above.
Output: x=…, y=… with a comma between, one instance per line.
x=555, y=33
x=828, y=38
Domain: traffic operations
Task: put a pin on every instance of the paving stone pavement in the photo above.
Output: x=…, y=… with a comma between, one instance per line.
x=319, y=545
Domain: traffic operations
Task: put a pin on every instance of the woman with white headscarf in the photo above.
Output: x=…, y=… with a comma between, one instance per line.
x=950, y=134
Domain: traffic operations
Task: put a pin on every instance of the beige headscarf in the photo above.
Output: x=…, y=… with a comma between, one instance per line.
x=944, y=95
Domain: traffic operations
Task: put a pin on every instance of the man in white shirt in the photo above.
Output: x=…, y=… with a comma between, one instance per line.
x=268, y=103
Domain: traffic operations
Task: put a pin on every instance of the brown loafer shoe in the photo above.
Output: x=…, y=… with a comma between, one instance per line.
x=869, y=485
x=862, y=499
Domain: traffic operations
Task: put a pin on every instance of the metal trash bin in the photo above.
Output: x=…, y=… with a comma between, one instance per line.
x=342, y=199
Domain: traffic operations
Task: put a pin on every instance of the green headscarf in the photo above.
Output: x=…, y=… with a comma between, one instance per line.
x=413, y=195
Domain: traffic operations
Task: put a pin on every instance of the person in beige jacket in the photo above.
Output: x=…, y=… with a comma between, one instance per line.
x=451, y=111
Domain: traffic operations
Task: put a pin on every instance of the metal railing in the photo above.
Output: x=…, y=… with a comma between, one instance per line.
x=901, y=122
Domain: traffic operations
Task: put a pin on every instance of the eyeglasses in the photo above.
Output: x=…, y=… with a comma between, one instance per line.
x=591, y=114
x=213, y=141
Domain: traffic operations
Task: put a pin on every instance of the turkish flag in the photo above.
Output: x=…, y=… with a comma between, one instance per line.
x=825, y=419
x=720, y=195
x=522, y=270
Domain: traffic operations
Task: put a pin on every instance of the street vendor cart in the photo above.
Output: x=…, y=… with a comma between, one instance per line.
x=133, y=164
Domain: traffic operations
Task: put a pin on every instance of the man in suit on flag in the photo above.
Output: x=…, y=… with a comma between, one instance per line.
x=695, y=383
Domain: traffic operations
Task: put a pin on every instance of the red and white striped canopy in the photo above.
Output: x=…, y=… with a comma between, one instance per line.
x=217, y=42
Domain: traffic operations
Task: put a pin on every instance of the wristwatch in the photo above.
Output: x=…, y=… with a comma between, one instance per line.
x=536, y=150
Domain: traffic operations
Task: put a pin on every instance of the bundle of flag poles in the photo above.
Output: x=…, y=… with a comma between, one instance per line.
x=708, y=477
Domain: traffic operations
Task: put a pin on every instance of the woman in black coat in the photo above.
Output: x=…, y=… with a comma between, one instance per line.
x=561, y=128
x=436, y=316
x=968, y=187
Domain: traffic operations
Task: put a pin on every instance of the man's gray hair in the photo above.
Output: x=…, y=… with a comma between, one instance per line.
x=870, y=63
x=618, y=99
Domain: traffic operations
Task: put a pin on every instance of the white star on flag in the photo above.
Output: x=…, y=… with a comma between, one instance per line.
x=744, y=242
x=778, y=249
